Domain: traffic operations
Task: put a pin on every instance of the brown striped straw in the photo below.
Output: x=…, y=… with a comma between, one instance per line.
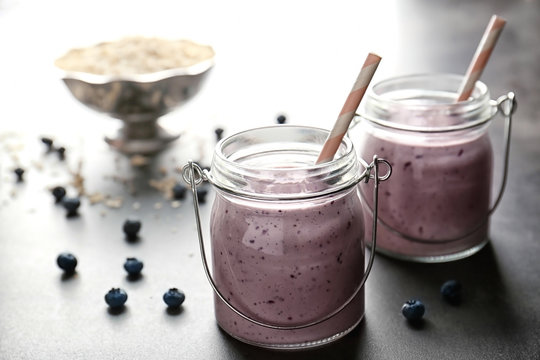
x=481, y=56
x=349, y=108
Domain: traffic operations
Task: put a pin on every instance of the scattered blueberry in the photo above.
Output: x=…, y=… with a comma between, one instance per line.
x=413, y=310
x=219, y=133
x=133, y=266
x=59, y=192
x=281, y=119
x=19, y=172
x=451, y=291
x=116, y=298
x=48, y=143
x=67, y=262
x=71, y=205
x=174, y=298
x=131, y=228
x=61, y=152
x=201, y=194
x=179, y=191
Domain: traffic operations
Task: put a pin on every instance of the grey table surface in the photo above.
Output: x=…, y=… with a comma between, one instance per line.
x=297, y=58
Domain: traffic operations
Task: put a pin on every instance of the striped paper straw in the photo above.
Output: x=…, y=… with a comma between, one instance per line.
x=349, y=108
x=481, y=57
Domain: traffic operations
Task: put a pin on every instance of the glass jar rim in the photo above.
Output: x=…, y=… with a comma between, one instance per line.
x=478, y=101
x=229, y=175
x=223, y=143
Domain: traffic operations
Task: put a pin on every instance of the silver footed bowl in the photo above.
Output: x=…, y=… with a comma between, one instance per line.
x=139, y=101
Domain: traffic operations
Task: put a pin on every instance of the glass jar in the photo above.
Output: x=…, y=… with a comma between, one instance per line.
x=436, y=207
x=287, y=237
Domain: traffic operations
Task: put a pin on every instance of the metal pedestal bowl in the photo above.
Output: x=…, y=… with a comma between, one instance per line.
x=139, y=101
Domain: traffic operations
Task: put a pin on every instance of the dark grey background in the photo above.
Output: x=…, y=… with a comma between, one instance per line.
x=44, y=315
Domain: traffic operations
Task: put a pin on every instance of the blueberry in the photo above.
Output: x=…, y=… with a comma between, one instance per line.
x=48, y=143
x=281, y=119
x=61, y=152
x=179, y=191
x=131, y=228
x=201, y=194
x=413, y=310
x=67, y=262
x=71, y=205
x=116, y=298
x=174, y=298
x=219, y=133
x=133, y=266
x=19, y=172
x=451, y=291
x=58, y=192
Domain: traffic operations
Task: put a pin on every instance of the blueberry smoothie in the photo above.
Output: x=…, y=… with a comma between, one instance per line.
x=437, y=201
x=436, y=205
x=288, y=265
x=287, y=237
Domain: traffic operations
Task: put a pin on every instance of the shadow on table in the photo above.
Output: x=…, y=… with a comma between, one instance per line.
x=488, y=309
x=480, y=274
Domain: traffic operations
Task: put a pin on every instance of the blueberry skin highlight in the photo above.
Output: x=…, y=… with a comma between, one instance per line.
x=413, y=310
x=48, y=143
x=281, y=119
x=19, y=172
x=61, y=151
x=451, y=291
x=71, y=205
x=116, y=298
x=67, y=262
x=133, y=266
x=219, y=133
x=131, y=228
x=179, y=191
x=201, y=194
x=59, y=192
x=174, y=298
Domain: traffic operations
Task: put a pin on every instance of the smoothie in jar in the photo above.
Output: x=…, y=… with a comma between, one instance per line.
x=436, y=205
x=287, y=237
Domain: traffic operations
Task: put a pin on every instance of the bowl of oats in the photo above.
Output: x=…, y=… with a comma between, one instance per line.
x=137, y=80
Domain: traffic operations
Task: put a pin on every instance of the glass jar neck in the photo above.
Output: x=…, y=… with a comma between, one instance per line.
x=427, y=103
x=278, y=163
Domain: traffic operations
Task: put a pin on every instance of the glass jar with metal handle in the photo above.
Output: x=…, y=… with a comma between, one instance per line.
x=437, y=206
x=287, y=236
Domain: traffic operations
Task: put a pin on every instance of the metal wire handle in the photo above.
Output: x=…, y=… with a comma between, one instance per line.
x=194, y=175
x=507, y=105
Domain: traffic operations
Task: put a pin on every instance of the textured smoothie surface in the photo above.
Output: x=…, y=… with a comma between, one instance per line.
x=288, y=263
x=438, y=195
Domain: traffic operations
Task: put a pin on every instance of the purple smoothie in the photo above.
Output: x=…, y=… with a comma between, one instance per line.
x=287, y=265
x=436, y=205
x=287, y=237
x=438, y=196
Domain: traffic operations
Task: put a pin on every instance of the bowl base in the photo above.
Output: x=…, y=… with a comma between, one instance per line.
x=141, y=146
